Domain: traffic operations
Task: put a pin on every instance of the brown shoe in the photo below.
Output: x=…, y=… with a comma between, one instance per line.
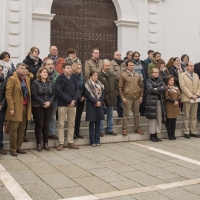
x=13, y=153
x=54, y=137
x=25, y=139
x=60, y=147
x=3, y=152
x=72, y=146
x=124, y=132
x=139, y=131
x=21, y=151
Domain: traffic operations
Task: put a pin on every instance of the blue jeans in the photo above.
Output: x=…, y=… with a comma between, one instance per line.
x=94, y=128
x=109, y=112
x=119, y=107
x=2, y=116
x=198, y=112
x=52, y=123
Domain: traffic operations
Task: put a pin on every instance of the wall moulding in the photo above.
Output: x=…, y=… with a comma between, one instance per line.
x=42, y=16
x=126, y=23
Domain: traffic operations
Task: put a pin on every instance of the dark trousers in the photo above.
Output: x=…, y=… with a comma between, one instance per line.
x=119, y=107
x=94, y=129
x=198, y=112
x=143, y=104
x=79, y=111
x=2, y=116
x=42, y=118
x=171, y=127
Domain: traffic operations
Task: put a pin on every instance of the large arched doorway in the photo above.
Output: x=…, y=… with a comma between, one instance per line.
x=83, y=25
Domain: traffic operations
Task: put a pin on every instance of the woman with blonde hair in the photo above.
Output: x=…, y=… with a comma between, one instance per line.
x=77, y=73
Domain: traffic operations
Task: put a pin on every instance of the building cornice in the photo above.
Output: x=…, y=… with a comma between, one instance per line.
x=42, y=16
x=126, y=23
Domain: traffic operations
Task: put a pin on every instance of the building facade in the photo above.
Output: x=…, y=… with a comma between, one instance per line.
x=171, y=27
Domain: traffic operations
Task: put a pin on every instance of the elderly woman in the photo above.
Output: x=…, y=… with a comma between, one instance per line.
x=94, y=92
x=155, y=103
x=6, y=64
x=72, y=59
x=77, y=73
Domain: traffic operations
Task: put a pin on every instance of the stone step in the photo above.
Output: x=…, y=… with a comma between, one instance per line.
x=106, y=139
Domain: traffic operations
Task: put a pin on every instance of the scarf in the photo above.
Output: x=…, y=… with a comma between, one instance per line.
x=94, y=88
x=163, y=69
x=7, y=66
x=73, y=61
x=137, y=63
x=23, y=86
x=119, y=62
x=80, y=79
x=35, y=60
x=54, y=58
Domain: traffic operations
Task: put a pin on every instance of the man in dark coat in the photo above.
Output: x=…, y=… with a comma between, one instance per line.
x=150, y=56
x=110, y=96
x=67, y=91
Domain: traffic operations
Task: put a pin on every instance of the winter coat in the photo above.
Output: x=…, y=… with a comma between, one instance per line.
x=81, y=88
x=32, y=67
x=153, y=95
x=92, y=65
x=66, y=90
x=14, y=97
x=93, y=113
x=147, y=62
x=197, y=69
x=130, y=87
x=189, y=87
x=116, y=70
x=174, y=72
x=2, y=92
x=164, y=74
x=42, y=92
x=151, y=66
x=111, y=88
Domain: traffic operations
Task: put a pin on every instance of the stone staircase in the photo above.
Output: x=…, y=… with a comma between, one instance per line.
x=117, y=122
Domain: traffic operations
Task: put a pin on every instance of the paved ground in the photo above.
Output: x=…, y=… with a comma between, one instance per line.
x=118, y=171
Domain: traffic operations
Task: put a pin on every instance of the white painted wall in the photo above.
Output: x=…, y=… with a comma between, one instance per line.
x=169, y=26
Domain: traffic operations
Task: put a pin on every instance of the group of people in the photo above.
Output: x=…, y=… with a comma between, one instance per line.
x=41, y=88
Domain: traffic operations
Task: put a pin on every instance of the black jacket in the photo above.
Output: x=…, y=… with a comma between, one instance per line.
x=153, y=95
x=174, y=73
x=32, y=67
x=81, y=88
x=197, y=69
x=66, y=90
x=147, y=61
x=164, y=75
x=2, y=91
x=42, y=92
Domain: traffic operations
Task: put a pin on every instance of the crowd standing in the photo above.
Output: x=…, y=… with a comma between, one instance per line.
x=37, y=89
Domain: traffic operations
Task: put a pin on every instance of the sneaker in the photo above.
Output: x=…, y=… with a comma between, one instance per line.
x=54, y=137
x=3, y=152
x=72, y=146
x=60, y=147
x=111, y=133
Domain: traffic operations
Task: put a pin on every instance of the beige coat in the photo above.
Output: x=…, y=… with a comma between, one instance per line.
x=14, y=97
x=116, y=70
x=92, y=65
x=188, y=86
x=130, y=87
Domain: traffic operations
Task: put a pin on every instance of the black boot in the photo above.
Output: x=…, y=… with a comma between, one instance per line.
x=173, y=128
x=159, y=140
x=168, y=127
x=46, y=147
x=75, y=137
x=152, y=138
x=79, y=135
x=39, y=148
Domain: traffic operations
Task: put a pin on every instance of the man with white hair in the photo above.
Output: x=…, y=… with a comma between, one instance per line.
x=110, y=96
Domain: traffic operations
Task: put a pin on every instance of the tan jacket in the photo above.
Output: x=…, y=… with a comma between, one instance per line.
x=14, y=97
x=92, y=65
x=130, y=87
x=188, y=86
x=116, y=70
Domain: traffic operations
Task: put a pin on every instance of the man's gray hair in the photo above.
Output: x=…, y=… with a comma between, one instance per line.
x=106, y=61
x=45, y=61
x=20, y=64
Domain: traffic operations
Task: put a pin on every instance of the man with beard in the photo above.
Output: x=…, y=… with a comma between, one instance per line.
x=53, y=75
x=140, y=68
x=57, y=61
x=18, y=110
x=116, y=69
x=155, y=59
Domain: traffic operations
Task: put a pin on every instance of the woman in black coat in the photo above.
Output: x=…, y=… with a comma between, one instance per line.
x=155, y=104
x=94, y=92
x=164, y=72
x=33, y=61
x=2, y=108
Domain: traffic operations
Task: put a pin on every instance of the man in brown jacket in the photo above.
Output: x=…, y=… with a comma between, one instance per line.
x=93, y=64
x=190, y=91
x=18, y=111
x=131, y=93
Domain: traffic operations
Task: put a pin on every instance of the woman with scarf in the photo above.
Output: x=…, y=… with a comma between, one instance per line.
x=72, y=59
x=164, y=72
x=155, y=104
x=77, y=73
x=6, y=64
x=94, y=92
x=2, y=108
x=172, y=96
x=33, y=61
x=184, y=60
x=43, y=95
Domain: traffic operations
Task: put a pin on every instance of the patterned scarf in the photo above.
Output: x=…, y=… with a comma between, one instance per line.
x=23, y=85
x=35, y=59
x=54, y=58
x=80, y=79
x=7, y=66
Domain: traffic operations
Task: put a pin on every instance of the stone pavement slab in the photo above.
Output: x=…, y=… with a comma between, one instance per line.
x=56, y=160
x=195, y=189
x=29, y=158
x=123, y=185
x=121, y=198
x=69, y=154
x=13, y=165
x=150, y=196
x=4, y=194
x=171, y=178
